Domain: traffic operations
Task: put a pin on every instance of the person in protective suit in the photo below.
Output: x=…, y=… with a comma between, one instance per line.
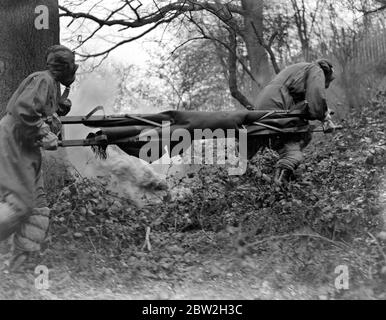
x=31, y=123
x=302, y=87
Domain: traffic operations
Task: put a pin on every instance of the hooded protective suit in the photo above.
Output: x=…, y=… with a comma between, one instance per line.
x=296, y=83
x=23, y=131
x=301, y=86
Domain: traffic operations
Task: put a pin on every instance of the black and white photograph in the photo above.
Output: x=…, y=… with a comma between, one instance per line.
x=192, y=156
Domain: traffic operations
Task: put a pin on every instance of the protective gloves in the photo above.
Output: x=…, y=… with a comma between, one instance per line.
x=47, y=139
x=54, y=123
x=282, y=176
x=328, y=125
x=64, y=107
x=64, y=104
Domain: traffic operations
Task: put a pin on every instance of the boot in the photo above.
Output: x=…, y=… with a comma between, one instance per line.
x=6, y=246
x=28, y=239
x=5, y=253
x=10, y=217
x=282, y=176
x=33, y=231
x=18, y=260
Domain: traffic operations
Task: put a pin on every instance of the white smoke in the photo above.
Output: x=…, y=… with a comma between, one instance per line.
x=130, y=177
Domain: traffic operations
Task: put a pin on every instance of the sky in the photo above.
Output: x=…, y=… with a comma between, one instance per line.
x=135, y=52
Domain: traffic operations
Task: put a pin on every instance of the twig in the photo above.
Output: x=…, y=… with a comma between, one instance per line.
x=374, y=10
x=232, y=69
x=263, y=176
x=95, y=250
x=147, y=243
x=268, y=47
x=340, y=245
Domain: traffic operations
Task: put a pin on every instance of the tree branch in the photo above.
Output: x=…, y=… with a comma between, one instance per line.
x=381, y=8
x=178, y=7
x=164, y=14
x=233, y=87
x=214, y=39
x=123, y=41
x=268, y=47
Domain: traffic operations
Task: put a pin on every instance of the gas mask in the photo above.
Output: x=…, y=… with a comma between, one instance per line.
x=61, y=64
x=67, y=76
x=328, y=71
x=329, y=78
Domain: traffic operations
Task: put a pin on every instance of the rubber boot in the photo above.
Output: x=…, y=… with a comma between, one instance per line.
x=5, y=253
x=29, y=237
x=282, y=176
x=11, y=214
x=18, y=260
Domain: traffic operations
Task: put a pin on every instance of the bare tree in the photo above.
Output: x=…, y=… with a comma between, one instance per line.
x=368, y=11
x=236, y=16
x=305, y=20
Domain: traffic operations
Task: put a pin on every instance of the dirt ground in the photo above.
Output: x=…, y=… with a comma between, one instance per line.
x=203, y=282
x=286, y=246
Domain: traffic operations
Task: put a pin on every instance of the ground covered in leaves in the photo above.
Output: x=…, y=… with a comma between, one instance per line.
x=228, y=237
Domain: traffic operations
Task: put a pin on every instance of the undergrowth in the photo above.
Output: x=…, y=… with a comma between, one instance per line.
x=329, y=216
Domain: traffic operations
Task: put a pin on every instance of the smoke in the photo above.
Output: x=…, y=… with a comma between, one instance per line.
x=129, y=176
x=91, y=92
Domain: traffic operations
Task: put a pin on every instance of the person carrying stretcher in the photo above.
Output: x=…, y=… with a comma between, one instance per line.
x=300, y=86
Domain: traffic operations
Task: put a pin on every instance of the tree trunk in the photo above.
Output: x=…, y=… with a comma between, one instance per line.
x=258, y=58
x=22, y=52
x=23, y=46
x=302, y=28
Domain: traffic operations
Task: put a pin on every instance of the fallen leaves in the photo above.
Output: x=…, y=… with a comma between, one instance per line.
x=335, y=198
